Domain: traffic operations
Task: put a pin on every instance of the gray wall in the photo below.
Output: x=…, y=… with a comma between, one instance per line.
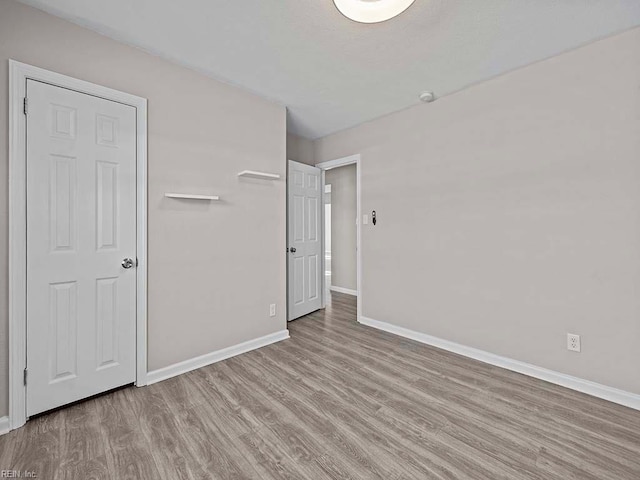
x=343, y=226
x=210, y=282
x=509, y=213
x=300, y=149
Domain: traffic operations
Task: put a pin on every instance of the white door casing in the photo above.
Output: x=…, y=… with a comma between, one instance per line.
x=81, y=224
x=19, y=74
x=304, y=257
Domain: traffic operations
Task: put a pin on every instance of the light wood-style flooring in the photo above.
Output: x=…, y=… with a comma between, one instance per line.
x=338, y=400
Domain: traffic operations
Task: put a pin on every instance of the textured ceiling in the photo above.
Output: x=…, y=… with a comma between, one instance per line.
x=333, y=73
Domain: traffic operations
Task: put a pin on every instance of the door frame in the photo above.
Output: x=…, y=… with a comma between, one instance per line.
x=19, y=73
x=329, y=165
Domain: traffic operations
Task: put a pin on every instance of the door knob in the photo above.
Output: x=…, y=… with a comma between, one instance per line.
x=292, y=249
x=127, y=263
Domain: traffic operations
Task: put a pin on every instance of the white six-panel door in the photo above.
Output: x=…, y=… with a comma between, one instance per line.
x=304, y=200
x=81, y=225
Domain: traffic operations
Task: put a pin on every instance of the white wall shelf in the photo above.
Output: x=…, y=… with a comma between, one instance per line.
x=189, y=196
x=263, y=175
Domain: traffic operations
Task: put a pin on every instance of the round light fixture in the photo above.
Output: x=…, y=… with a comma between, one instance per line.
x=372, y=11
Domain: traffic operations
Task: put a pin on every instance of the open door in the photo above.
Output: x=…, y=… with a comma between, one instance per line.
x=304, y=250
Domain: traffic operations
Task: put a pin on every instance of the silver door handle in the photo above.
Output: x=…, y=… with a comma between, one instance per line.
x=292, y=249
x=127, y=263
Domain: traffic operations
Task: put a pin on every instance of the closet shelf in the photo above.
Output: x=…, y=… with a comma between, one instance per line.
x=254, y=174
x=189, y=196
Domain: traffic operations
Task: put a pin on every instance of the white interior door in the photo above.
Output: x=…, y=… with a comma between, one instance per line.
x=305, y=239
x=81, y=226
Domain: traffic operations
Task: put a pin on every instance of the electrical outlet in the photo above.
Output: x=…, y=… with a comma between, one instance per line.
x=272, y=310
x=573, y=342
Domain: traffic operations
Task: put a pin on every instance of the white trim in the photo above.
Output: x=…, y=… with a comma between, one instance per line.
x=615, y=395
x=213, y=357
x=17, y=248
x=19, y=73
x=4, y=425
x=347, y=291
x=340, y=162
x=323, y=246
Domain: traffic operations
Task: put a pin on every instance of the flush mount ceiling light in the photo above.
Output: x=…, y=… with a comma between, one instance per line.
x=372, y=11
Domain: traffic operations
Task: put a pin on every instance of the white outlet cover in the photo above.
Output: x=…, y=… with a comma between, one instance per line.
x=272, y=310
x=573, y=342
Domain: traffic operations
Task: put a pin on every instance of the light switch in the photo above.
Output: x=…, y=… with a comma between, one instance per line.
x=365, y=219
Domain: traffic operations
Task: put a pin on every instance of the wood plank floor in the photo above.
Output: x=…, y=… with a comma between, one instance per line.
x=341, y=401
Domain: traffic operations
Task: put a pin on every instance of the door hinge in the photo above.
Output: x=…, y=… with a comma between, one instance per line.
x=26, y=105
x=25, y=377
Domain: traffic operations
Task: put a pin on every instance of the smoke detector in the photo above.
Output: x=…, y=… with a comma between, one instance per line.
x=427, y=97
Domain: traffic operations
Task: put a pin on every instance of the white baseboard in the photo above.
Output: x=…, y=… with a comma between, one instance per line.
x=615, y=395
x=4, y=425
x=348, y=291
x=213, y=357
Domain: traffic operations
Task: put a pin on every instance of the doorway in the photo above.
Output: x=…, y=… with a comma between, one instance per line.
x=308, y=288
x=342, y=228
x=77, y=242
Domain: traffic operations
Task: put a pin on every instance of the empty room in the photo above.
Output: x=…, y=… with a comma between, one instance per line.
x=320, y=239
